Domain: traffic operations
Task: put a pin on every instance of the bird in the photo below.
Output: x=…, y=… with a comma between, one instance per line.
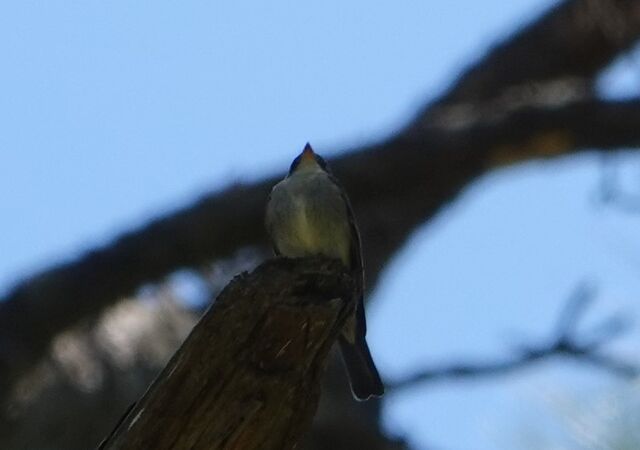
x=308, y=214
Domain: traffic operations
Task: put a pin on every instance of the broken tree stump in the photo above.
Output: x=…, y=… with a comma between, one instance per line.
x=248, y=376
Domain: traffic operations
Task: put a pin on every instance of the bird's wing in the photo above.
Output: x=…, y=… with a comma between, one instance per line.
x=363, y=375
x=355, y=256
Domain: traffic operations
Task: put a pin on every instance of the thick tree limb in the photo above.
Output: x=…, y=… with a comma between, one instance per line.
x=248, y=376
x=394, y=186
x=435, y=166
x=574, y=40
x=563, y=342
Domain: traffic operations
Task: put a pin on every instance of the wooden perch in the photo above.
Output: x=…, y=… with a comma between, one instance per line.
x=248, y=376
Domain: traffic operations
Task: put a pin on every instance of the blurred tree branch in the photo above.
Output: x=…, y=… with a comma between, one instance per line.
x=564, y=341
x=612, y=193
x=530, y=97
x=570, y=43
x=434, y=165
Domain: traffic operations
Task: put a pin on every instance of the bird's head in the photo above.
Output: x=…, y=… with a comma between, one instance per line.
x=308, y=161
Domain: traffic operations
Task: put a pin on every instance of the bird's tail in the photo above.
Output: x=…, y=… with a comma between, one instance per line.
x=363, y=375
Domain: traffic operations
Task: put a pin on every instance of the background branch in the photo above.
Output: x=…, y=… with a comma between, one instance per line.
x=572, y=41
x=530, y=97
x=435, y=165
x=565, y=341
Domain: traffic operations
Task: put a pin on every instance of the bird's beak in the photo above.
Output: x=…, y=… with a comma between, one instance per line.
x=307, y=154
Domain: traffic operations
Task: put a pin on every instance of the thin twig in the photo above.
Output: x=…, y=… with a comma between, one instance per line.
x=565, y=341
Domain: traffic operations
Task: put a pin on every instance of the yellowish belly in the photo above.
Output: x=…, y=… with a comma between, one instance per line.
x=313, y=235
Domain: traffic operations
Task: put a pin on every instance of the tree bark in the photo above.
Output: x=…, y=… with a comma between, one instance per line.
x=248, y=376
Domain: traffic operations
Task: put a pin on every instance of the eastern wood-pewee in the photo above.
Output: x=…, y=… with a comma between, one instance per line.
x=308, y=213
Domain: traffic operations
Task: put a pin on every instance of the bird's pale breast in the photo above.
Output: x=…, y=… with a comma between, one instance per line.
x=307, y=216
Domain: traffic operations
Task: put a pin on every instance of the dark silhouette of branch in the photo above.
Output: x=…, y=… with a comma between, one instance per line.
x=565, y=341
x=612, y=194
x=434, y=167
x=573, y=41
x=623, y=201
x=395, y=185
x=248, y=376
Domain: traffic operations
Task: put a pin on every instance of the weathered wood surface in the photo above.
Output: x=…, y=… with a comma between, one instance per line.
x=248, y=376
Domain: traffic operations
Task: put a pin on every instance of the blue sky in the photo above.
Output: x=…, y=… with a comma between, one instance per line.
x=115, y=112
x=112, y=112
